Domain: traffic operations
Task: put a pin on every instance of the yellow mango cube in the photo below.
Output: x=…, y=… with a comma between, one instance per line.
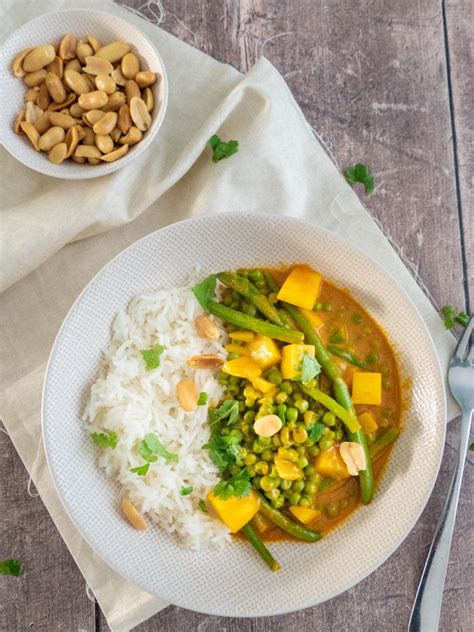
x=242, y=367
x=242, y=336
x=264, y=351
x=292, y=358
x=301, y=288
x=312, y=317
x=264, y=386
x=367, y=422
x=305, y=514
x=235, y=512
x=329, y=463
x=239, y=349
x=367, y=388
x=287, y=470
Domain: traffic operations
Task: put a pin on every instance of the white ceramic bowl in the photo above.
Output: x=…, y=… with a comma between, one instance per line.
x=234, y=581
x=50, y=28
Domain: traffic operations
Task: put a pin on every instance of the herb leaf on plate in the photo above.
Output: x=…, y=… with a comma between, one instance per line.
x=204, y=291
x=238, y=486
x=185, y=491
x=152, y=357
x=155, y=446
x=202, y=506
x=202, y=399
x=105, y=439
x=141, y=470
x=222, y=149
x=362, y=174
x=11, y=567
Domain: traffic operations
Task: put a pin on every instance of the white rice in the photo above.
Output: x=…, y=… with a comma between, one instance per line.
x=128, y=399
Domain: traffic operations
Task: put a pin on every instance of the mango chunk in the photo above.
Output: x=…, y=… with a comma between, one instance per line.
x=264, y=351
x=312, y=317
x=367, y=388
x=242, y=336
x=301, y=288
x=305, y=514
x=292, y=358
x=329, y=463
x=287, y=470
x=367, y=422
x=262, y=385
x=242, y=367
x=235, y=512
x=239, y=349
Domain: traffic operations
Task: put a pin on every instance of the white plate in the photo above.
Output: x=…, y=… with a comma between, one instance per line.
x=234, y=582
x=50, y=28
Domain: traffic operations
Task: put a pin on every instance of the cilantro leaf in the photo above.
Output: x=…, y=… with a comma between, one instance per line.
x=204, y=291
x=154, y=445
x=141, y=470
x=229, y=409
x=152, y=357
x=146, y=453
x=202, y=506
x=316, y=431
x=222, y=149
x=11, y=567
x=202, y=399
x=450, y=318
x=238, y=486
x=360, y=173
x=310, y=368
x=105, y=439
x=223, y=450
x=185, y=491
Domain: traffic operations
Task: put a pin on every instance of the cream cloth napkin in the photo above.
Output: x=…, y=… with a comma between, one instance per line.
x=280, y=168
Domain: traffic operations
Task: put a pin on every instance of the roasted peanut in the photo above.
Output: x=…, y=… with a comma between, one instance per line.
x=74, y=64
x=139, y=113
x=78, y=159
x=89, y=136
x=118, y=77
x=147, y=96
x=116, y=154
x=145, y=78
x=76, y=110
x=133, y=516
x=17, y=124
x=51, y=138
x=87, y=151
x=56, y=67
x=55, y=88
x=93, y=100
x=105, y=124
x=83, y=50
x=32, y=133
x=44, y=98
x=132, y=90
x=130, y=66
x=76, y=81
x=115, y=102
x=91, y=117
x=32, y=95
x=57, y=107
x=113, y=52
x=124, y=121
x=132, y=137
x=105, y=83
x=72, y=139
x=32, y=112
x=205, y=361
x=267, y=426
x=187, y=395
x=353, y=456
x=58, y=153
x=33, y=79
x=105, y=143
x=115, y=134
x=206, y=327
x=62, y=120
x=93, y=42
x=67, y=48
x=38, y=58
x=97, y=66
x=17, y=65
x=43, y=123
x=93, y=161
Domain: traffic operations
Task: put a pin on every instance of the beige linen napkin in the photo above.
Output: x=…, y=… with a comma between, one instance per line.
x=280, y=168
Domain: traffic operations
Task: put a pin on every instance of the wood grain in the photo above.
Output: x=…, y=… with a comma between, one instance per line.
x=372, y=77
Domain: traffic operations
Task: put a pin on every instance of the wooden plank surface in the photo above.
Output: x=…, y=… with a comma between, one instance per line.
x=372, y=78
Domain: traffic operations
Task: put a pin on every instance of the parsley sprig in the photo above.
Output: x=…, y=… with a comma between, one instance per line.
x=223, y=450
x=11, y=567
x=204, y=291
x=360, y=173
x=105, y=439
x=238, y=486
x=451, y=316
x=152, y=357
x=229, y=410
x=185, y=491
x=222, y=149
x=150, y=449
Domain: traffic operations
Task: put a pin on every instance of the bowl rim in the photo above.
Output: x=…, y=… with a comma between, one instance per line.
x=343, y=587
x=111, y=167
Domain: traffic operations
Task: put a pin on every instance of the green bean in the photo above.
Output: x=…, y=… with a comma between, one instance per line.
x=260, y=547
x=350, y=357
x=243, y=286
x=272, y=284
x=387, y=437
x=342, y=396
x=254, y=324
x=287, y=525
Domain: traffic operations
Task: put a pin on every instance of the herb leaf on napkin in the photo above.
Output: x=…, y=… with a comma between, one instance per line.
x=222, y=149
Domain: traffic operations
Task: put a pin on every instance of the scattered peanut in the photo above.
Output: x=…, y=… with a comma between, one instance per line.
x=206, y=327
x=353, y=456
x=89, y=103
x=187, y=395
x=267, y=426
x=133, y=515
x=205, y=361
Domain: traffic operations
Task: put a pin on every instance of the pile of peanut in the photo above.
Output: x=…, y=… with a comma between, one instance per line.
x=84, y=101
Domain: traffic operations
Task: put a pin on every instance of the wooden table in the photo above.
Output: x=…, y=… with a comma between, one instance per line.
x=386, y=83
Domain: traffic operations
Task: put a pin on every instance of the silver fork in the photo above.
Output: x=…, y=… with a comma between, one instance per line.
x=427, y=606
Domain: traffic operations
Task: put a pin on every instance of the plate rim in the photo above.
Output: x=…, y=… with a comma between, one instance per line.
x=443, y=411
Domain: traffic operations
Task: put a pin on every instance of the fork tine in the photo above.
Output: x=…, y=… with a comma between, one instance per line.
x=463, y=343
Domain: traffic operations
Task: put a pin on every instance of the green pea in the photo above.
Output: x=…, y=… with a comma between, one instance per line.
x=384, y=422
x=329, y=418
x=387, y=412
x=225, y=432
x=387, y=383
x=285, y=485
x=251, y=310
x=286, y=387
x=302, y=462
x=267, y=455
x=273, y=297
x=267, y=483
x=266, y=409
x=305, y=501
x=250, y=392
x=275, y=377
x=367, y=331
x=370, y=437
x=235, y=432
x=265, y=441
x=291, y=425
x=300, y=435
x=313, y=450
x=281, y=398
x=298, y=486
x=344, y=503
x=309, y=470
x=278, y=502
x=261, y=467
x=293, y=455
x=250, y=459
x=302, y=405
x=310, y=417
x=325, y=444
x=357, y=319
x=310, y=487
x=273, y=494
x=251, y=469
x=291, y=414
x=256, y=481
x=235, y=305
x=308, y=443
x=301, y=450
x=249, y=416
x=227, y=299
x=294, y=498
x=339, y=434
x=384, y=369
x=331, y=510
x=276, y=441
x=316, y=478
x=285, y=436
x=243, y=452
x=326, y=307
x=257, y=447
x=372, y=357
